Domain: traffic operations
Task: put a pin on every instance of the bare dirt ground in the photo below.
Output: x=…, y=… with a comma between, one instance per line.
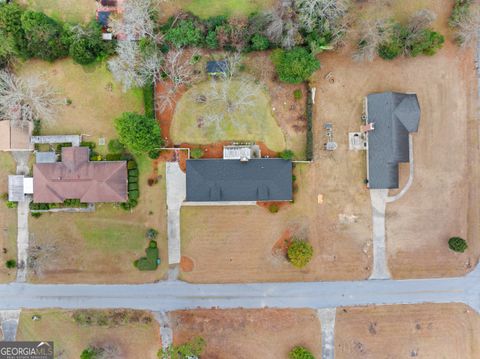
x=136, y=337
x=241, y=243
x=431, y=331
x=245, y=334
x=8, y=221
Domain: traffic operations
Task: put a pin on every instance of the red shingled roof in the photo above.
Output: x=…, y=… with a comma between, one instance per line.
x=78, y=178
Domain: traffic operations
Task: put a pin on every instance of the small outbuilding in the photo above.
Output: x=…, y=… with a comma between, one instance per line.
x=215, y=68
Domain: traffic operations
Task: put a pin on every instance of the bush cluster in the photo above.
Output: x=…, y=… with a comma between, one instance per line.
x=139, y=133
x=150, y=261
x=192, y=349
x=34, y=34
x=300, y=352
x=426, y=42
x=300, y=253
x=68, y=203
x=457, y=244
x=11, y=263
x=196, y=153
x=149, y=100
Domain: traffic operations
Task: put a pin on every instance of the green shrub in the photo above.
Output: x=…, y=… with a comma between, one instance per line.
x=192, y=349
x=184, y=33
x=37, y=127
x=150, y=262
x=196, y=153
x=457, y=244
x=300, y=253
x=11, y=263
x=132, y=179
x=273, y=208
x=152, y=244
x=88, y=144
x=133, y=172
x=131, y=165
x=133, y=194
x=11, y=204
x=131, y=203
x=154, y=154
x=211, y=40
x=294, y=66
x=151, y=234
x=36, y=214
x=115, y=146
x=149, y=100
x=287, y=154
x=91, y=353
x=132, y=186
x=390, y=50
x=139, y=133
x=113, y=156
x=297, y=94
x=300, y=352
x=259, y=42
x=427, y=44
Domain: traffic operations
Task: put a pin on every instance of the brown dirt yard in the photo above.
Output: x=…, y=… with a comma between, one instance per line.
x=100, y=247
x=8, y=221
x=443, y=200
x=137, y=337
x=245, y=334
x=429, y=331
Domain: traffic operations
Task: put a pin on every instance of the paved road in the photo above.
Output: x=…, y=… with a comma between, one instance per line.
x=173, y=295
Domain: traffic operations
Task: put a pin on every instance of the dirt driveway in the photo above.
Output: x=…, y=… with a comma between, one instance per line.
x=245, y=334
x=407, y=331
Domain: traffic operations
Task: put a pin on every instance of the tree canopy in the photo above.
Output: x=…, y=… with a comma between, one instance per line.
x=294, y=66
x=139, y=133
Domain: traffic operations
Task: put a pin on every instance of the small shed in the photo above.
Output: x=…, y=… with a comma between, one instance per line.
x=217, y=67
x=102, y=18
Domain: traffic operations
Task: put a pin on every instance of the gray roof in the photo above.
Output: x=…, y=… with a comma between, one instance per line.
x=214, y=67
x=213, y=180
x=394, y=116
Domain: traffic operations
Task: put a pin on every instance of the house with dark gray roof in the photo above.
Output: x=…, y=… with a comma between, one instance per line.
x=391, y=117
x=221, y=180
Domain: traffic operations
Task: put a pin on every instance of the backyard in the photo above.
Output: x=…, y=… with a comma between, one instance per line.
x=262, y=333
x=66, y=10
x=223, y=119
x=407, y=331
x=100, y=247
x=133, y=334
x=95, y=99
x=8, y=221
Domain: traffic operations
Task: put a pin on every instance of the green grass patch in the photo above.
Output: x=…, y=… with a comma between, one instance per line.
x=111, y=235
x=65, y=10
x=242, y=123
x=206, y=8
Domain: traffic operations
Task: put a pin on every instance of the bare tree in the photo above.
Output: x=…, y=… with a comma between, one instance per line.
x=137, y=19
x=466, y=25
x=23, y=100
x=420, y=21
x=324, y=16
x=133, y=67
x=373, y=33
x=282, y=26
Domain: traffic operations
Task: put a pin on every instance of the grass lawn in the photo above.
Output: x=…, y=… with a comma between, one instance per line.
x=96, y=99
x=207, y=8
x=100, y=247
x=65, y=10
x=134, y=340
x=255, y=123
x=8, y=221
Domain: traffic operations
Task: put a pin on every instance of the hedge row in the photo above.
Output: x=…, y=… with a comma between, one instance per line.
x=133, y=187
x=68, y=203
x=309, y=114
x=149, y=100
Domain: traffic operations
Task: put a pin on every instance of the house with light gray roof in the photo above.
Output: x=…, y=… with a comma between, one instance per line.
x=391, y=118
